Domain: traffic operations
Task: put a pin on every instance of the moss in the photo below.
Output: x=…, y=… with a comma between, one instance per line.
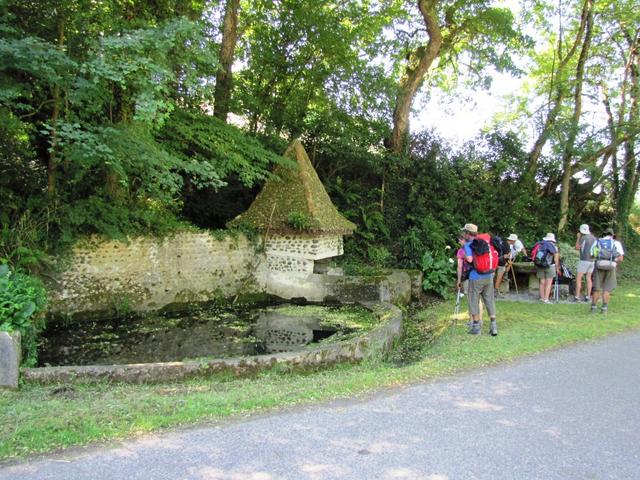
x=296, y=190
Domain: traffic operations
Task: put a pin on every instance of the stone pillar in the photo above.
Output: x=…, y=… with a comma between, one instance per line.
x=9, y=359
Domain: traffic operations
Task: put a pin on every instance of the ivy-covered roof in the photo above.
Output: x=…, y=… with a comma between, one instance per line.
x=294, y=202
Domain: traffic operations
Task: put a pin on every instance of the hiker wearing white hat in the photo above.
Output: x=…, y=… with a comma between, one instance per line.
x=586, y=264
x=546, y=258
x=516, y=245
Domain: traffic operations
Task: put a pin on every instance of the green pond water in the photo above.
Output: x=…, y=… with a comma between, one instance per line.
x=211, y=331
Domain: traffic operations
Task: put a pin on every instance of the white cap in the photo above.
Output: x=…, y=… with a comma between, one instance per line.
x=550, y=237
x=584, y=229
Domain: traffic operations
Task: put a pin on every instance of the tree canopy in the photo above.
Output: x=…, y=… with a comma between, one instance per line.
x=137, y=117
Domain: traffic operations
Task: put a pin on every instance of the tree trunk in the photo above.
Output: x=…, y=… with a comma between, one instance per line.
x=55, y=115
x=631, y=166
x=224, y=76
x=419, y=63
x=569, y=147
x=550, y=121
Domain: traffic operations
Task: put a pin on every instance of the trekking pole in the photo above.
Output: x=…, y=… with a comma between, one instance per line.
x=556, y=290
x=513, y=274
x=456, y=311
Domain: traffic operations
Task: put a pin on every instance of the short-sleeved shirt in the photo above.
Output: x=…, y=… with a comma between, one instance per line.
x=474, y=275
x=586, y=243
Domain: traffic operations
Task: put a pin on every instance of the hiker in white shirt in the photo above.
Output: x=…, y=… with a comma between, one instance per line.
x=608, y=253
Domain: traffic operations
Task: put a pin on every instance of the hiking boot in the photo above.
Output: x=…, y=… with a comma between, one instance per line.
x=475, y=329
x=594, y=308
x=493, y=329
x=604, y=309
x=587, y=299
x=575, y=300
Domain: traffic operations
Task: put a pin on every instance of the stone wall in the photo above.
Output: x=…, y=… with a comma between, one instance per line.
x=102, y=277
x=150, y=273
x=297, y=253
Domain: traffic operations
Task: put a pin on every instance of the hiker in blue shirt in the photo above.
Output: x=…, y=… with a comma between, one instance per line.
x=480, y=285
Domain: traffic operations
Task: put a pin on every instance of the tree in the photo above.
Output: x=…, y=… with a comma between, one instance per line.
x=469, y=34
x=224, y=76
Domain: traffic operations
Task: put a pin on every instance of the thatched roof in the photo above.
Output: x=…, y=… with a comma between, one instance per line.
x=296, y=198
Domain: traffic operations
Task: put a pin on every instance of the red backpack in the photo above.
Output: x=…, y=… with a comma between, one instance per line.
x=485, y=256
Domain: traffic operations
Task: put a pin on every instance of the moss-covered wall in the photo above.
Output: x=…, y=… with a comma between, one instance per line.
x=150, y=273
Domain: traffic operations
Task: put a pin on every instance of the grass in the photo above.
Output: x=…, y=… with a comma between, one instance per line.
x=45, y=418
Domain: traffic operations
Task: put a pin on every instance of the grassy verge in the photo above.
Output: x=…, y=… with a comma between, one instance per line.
x=41, y=419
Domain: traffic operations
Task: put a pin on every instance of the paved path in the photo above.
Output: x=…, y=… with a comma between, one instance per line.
x=568, y=414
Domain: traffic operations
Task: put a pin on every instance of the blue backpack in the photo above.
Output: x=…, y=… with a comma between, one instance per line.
x=606, y=254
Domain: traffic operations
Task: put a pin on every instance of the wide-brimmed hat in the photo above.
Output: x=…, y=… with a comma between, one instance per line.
x=513, y=237
x=470, y=227
x=608, y=231
x=550, y=237
x=584, y=229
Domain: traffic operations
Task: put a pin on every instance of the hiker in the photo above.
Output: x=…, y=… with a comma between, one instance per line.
x=516, y=246
x=608, y=253
x=546, y=258
x=483, y=258
x=584, y=244
x=462, y=270
x=504, y=252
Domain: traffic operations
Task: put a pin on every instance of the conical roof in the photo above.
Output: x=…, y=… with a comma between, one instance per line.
x=296, y=198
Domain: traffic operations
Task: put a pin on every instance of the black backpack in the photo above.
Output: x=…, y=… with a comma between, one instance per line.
x=502, y=247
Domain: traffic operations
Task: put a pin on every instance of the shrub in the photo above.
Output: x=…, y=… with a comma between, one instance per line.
x=438, y=273
x=22, y=303
x=298, y=221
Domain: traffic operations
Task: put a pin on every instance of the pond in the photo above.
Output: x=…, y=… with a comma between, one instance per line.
x=204, y=332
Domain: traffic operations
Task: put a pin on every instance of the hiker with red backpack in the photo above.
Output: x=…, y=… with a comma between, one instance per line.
x=483, y=257
x=608, y=253
x=546, y=257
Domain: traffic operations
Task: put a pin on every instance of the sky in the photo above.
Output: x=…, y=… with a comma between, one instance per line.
x=459, y=119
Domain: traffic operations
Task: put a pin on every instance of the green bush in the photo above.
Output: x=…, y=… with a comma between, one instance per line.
x=22, y=303
x=298, y=221
x=438, y=273
x=569, y=255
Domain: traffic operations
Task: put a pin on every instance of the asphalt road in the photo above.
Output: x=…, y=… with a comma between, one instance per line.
x=568, y=414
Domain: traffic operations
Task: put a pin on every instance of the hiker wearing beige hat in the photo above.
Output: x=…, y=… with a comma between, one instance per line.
x=483, y=260
x=546, y=258
x=584, y=244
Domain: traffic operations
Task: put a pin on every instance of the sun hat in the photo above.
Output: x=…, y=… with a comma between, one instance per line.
x=584, y=229
x=513, y=237
x=470, y=227
x=608, y=231
x=550, y=237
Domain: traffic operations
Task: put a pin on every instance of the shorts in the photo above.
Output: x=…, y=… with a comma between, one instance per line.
x=586, y=266
x=544, y=273
x=481, y=288
x=604, y=280
x=500, y=270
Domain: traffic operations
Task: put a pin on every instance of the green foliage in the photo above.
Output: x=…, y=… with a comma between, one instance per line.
x=569, y=255
x=298, y=221
x=211, y=150
x=23, y=300
x=439, y=273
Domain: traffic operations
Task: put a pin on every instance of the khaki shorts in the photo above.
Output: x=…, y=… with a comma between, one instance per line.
x=585, y=266
x=543, y=273
x=481, y=288
x=604, y=280
x=500, y=270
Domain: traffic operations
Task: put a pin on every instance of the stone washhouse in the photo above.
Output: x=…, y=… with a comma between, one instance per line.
x=300, y=226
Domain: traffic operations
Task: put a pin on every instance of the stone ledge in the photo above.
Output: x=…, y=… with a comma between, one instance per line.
x=375, y=342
